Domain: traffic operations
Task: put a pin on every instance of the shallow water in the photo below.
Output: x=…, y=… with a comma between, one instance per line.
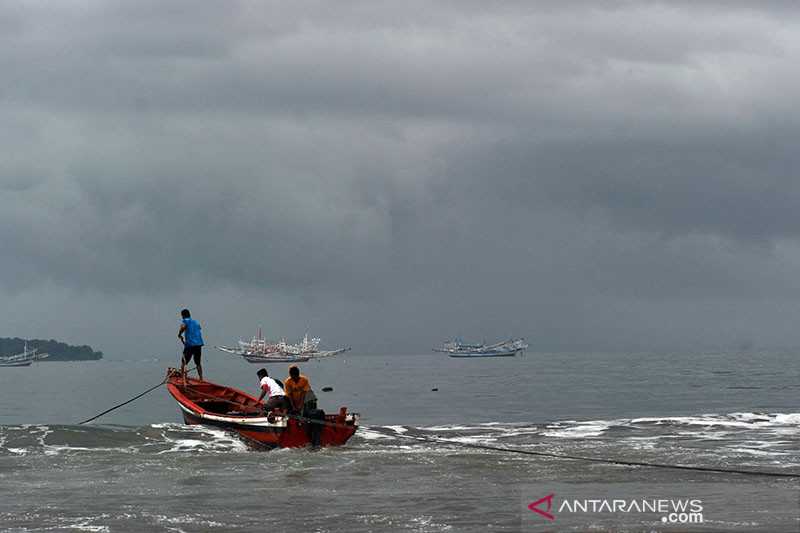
x=140, y=469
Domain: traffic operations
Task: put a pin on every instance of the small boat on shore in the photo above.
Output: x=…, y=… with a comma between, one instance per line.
x=206, y=403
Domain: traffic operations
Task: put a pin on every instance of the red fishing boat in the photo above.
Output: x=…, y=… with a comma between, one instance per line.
x=206, y=403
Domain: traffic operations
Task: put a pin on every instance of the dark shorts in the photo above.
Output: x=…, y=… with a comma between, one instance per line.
x=276, y=402
x=192, y=351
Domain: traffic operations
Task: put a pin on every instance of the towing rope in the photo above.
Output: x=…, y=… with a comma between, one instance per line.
x=154, y=387
x=601, y=460
x=151, y=389
x=444, y=440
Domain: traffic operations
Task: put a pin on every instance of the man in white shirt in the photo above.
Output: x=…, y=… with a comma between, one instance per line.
x=276, y=398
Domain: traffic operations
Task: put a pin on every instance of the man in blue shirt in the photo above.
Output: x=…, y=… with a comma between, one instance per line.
x=192, y=343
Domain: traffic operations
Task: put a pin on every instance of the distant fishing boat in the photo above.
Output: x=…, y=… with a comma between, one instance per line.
x=209, y=404
x=260, y=350
x=23, y=359
x=458, y=348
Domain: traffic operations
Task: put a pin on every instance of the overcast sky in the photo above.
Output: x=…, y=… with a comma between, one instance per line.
x=589, y=175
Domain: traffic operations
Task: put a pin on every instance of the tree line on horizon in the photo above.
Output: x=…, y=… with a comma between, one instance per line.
x=59, y=351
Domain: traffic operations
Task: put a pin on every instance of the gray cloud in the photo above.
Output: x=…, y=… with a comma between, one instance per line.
x=396, y=173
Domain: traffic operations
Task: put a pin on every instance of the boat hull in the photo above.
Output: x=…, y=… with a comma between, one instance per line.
x=511, y=353
x=509, y=348
x=209, y=404
x=255, y=359
x=17, y=363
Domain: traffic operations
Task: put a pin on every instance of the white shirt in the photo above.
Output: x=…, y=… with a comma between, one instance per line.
x=271, y=386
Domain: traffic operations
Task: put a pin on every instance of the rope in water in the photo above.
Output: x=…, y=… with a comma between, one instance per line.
x=151, y=389
x=123, y=403
x=601, y=460
x=444, y=440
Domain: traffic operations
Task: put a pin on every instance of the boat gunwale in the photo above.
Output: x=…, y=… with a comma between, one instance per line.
x=174, y=387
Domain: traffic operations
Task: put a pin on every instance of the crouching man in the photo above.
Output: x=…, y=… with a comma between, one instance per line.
x=276, y=398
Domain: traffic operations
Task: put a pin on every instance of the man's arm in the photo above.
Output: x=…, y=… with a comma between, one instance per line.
x=264, y=390
x=299, y=398
x=180, y=333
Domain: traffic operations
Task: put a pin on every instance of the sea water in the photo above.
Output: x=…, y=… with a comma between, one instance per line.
x=407, y=468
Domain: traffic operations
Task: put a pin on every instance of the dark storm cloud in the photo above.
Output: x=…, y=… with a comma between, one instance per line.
x=448, y=167
x=740, y=187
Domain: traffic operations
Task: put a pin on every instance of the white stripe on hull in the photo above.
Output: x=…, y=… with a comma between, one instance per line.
x=256, y=422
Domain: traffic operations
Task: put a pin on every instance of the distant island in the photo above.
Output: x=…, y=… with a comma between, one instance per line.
x=59, y=351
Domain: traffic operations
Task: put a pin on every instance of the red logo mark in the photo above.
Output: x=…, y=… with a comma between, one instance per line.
x=547, y=499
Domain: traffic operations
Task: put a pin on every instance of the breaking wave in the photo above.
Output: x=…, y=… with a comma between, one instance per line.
x=778, y=423
x=744, y=437
x=153, y=439
x=735, y=438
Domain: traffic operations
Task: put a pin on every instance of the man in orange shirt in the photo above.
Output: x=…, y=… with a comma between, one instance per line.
x=296, y=386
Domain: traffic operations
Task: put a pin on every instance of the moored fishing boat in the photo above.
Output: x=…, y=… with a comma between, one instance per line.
x=23, y=359
x=458, y=348
x=280, y=357
x=210, y=404
x=260, y=350
x=271, y=357
x=276, y=358
x=10, y=361
x=492, y=353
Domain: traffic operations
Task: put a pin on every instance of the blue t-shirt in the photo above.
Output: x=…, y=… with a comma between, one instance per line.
x=192, y=333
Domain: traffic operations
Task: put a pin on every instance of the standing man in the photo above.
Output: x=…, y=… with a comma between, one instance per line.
x=192, y=343
x=276, y=398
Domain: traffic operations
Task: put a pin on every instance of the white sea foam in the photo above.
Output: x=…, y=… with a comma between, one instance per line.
x=476, y=439
x=449, y=428
x=642, y=443
x=788, y=419
x=751, y=417
x=426, y=523
x=752, y=451
x=88, y=527
x=518, y=432
x=170, y=425
x=788, y=431
x=370, y=434
x=705, y=426
x=212, y=440
x=56, y=449
x=733, y=420
x=579, y=430
x=186, y=519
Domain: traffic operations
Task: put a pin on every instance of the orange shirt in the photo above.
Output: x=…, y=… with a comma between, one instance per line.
x=296, y=390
